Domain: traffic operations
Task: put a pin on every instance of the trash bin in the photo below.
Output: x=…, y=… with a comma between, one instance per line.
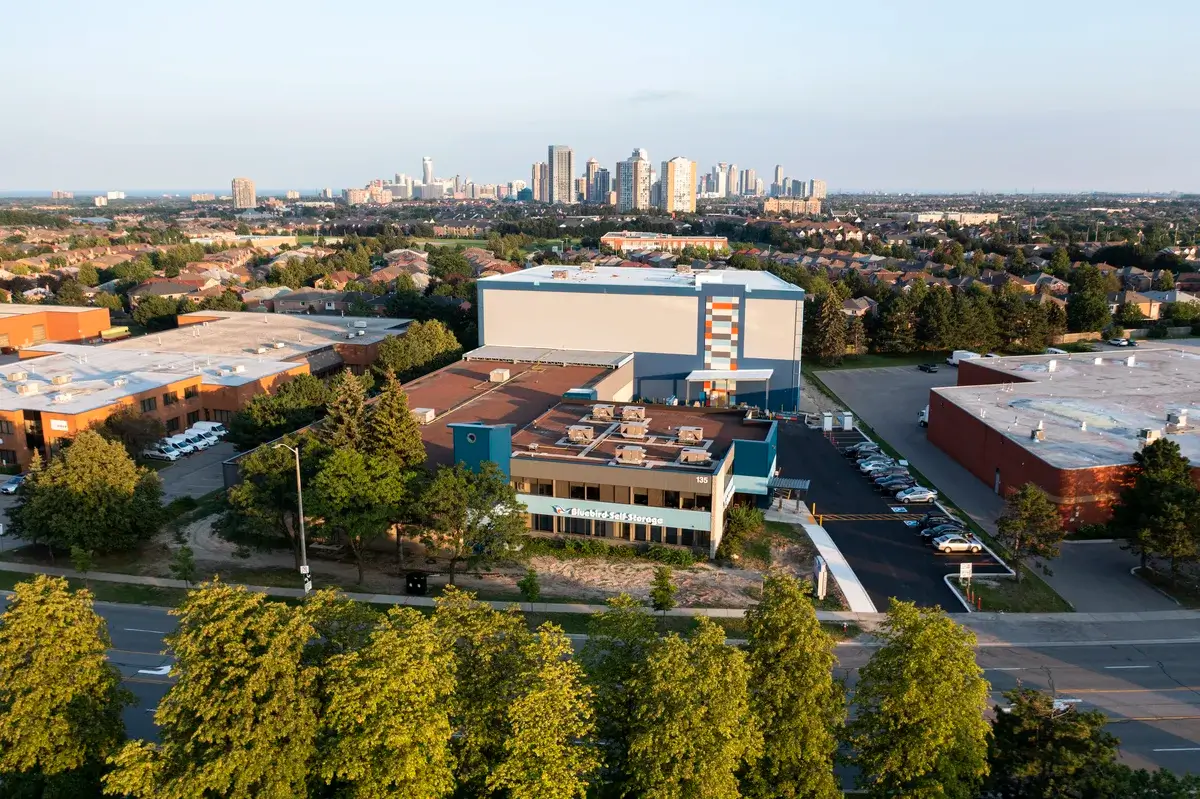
x=415, y=583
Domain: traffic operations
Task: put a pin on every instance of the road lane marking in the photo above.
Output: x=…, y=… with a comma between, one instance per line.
x=1179, y=749
x=1188, y=688
x=1128, y=667
x=157, y=671
x=1010, y=668
x=136, y=630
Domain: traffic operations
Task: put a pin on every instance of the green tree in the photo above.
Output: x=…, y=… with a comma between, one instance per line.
x=70, y=292
x=1018, y=261
x=1173, y=528
x=391, y=430
x=1030, y=527
x=529, y=586
x=156, y=313
x=1060, y=262
x=1164, y=280
x=260, y=738
x=618, y=642
x=1161, y=480
x=135, y=431
x=693, y=727
x=183, y=565
x=386, y=714
x=345, y=415
x=471, y=515
x=91, y=495
x=856, y=335
x=358, y=496
x=549, y=753
x=793, y=695
x=829, y=335
x=741, y=523
x=1042, y=751
x=920, y=730
x=102, y=299
x=82, y=561
x=897, y=325
x=87, y=275
x=663, y=590
x=490, y=652
x=60, y=697
x=935, y=325
x=297, y=403
x=424, y=347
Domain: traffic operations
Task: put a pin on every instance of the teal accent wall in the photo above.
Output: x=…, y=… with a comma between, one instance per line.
x=611, y=511
x=756, y=458
x=475, y=443
x=580, y=394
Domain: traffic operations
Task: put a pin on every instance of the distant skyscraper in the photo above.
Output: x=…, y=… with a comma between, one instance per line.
x=746, y=182
x=779, y=174
x=601, y=187
x=633, y=182
x=589, y=176
x=539, y=181
x=731, y=180
x=677, y=193
x=719, y=179
x=243, y=193
x=561, y=160
x=816, y=189
x=427, y=170
x=580, y=189
x=326, y=194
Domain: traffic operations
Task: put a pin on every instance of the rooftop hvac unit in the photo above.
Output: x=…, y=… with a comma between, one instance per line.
x=1037, y=434
x=631, y=455
x=587, y=267
x=558, y=274
x=633, y=429
x=533, y=445
x=26, y=389
x=694, y=455
x=63, y=397
x=633, y=413
x=683, y=269
x=362, y=333
x=360, y=324
x=279, y=345
x=239, y=368
x=225, y=371
x=120, y=382
x=261, y=350
x=498, y=375
x=60, y=380
x=1177, y=419
x=1148, y=435
x=691, y=434
x=16, y=377
x=350, y=334
x=602, y=412
x=423, y=415
x=580, y=433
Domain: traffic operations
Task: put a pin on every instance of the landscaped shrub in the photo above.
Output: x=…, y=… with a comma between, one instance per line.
x=591, y=548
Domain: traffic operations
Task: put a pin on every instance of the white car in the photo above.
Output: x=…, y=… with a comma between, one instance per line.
x=916, y=494
x=957, y=542
x=159, y=452
x=1119, y=342
x=875, y=466
x=209, y=437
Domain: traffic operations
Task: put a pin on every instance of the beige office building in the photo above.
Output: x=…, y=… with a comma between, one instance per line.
x=539, y=182
x=561, y=161
x=678, y=192
x=243, y=193
x=633, y=182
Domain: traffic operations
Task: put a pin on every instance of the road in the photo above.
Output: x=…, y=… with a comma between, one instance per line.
x=1150, y=688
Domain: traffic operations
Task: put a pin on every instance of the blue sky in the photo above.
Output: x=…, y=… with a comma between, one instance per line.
x=887, y=95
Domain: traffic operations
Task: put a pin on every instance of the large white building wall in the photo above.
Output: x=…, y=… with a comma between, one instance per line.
x=769, y=329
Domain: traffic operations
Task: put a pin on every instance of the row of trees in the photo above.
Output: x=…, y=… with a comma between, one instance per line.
x=334, y=699
x=1158, y=514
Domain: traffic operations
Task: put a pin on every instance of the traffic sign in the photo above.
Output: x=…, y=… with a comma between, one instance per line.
x=964, y=571
x=304, y=569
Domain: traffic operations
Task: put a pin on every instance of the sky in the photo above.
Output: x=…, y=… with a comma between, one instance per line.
x=886, y=95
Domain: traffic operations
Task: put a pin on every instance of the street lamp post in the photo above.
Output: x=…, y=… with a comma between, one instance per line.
x=300, y=508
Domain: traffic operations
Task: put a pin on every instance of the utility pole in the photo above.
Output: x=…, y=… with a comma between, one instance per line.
x=304, y=571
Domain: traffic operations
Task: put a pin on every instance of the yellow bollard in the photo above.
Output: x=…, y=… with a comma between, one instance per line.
x=821, y=520
x=814, y=509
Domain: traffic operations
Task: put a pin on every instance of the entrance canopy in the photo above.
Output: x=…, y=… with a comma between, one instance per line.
x=740, y=375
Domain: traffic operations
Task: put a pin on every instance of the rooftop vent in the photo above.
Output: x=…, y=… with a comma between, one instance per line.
x=498, y=375
x=423, y=415
x=1148, y=435
x=350, y=334
x=683, y=269
x=1037, y=434
x=633, y=413
x=1098, y=361
x=691, y=434
x=261, y=350
x=533, y=445
x=63, y=397
x=558, y=274
x=694, y=455
x=120, y=382
x=361, y=333
x=279, y=345
x=239, y=368
x=16, y=377
x=580, y=433
x=60, y=380
x=360, y=325
x=587, y=267
x=26, y=389
x=602, y=412
x=1177, y=420
x=633, y=429
x=629, y=454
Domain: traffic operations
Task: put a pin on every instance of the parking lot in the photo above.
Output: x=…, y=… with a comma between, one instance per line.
x=878, y=535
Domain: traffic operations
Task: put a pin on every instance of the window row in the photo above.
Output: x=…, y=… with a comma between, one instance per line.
x=639, y=533
x=621, y=495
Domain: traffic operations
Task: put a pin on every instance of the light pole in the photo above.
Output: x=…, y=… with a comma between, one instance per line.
x=300, y=507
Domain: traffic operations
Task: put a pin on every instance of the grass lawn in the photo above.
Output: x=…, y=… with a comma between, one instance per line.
x=1031, y=595
x=871, y=360
x=1184, y=592
x=110, y=592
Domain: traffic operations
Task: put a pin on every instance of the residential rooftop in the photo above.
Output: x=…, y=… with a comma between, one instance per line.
x=622, y=277
x=1093, y=406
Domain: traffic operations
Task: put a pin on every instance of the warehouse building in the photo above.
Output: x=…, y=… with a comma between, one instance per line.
x=719, y=338
x=1069, y=423
x=26, y=325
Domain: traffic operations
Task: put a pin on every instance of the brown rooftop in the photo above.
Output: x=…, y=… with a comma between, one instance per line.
x=548, y=436
x=462, y=392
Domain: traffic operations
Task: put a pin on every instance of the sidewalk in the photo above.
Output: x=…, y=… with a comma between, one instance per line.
x=839, y=568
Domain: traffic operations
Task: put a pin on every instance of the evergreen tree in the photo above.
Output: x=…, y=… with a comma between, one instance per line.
x=549, y=753
x=1030, y=527
x=793, y=695
x=391, y=431
x=60, y=698
x=935, y=325
x=1060, y=262
x=897, y=325
x=345, y=416
x=920, y=730
x=386, y=721
x=856, y=335
x=1056, y=321
x=829, y=340
x=241, y=720
x=693, y=729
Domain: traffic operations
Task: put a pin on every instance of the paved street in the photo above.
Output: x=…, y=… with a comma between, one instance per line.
x=888, y=400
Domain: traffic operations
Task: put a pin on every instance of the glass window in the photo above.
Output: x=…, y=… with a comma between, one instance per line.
x=6, y=427
x=704, y=502
x=640, y=497
x=592, y=491
x=545, y=488
x=542, y=522
x=670, y=499
x=577, y=491
x=191, y=392
x=702, y=539
x=577, y=526
x=224, y=417
x=149, y=404
x=602, y=529
x=8, y=456
x=687, y=537
x=656, y=535
x=672, y=535
x=173, y=425
x=193, y=417
x=170, y=398
x=687, y=501
x=639, y=532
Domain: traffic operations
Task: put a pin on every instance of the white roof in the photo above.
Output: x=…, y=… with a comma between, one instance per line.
x=617, y=276
x=699, y=375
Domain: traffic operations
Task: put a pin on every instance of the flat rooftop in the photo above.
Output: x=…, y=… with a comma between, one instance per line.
x=1091, y=412
x=463, y=393
x=22, y=310
x=237, y=334
x=495, y=352
x=620, y=276
x=101, y=376
x=548, y=436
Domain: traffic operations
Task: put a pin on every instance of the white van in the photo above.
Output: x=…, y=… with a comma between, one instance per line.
x=181, y=444
x=196, y=440
x=961, y=355
x=216, y=428
x=210, y=438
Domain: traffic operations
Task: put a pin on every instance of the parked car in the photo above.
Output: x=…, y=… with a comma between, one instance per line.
x=160, y=452
x=957, y=542
x=11, y=485
x=896, y=484
x=934, y=519
x=928, y=367
x=888, y=474
x=216, y=428
x=198, y=441
x=1119, y=342
x=180, y=444
x=916, y=494
x=875, y=466
x=861, y=449
x=872, y=456
x=212, y=438
x=928, y=535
